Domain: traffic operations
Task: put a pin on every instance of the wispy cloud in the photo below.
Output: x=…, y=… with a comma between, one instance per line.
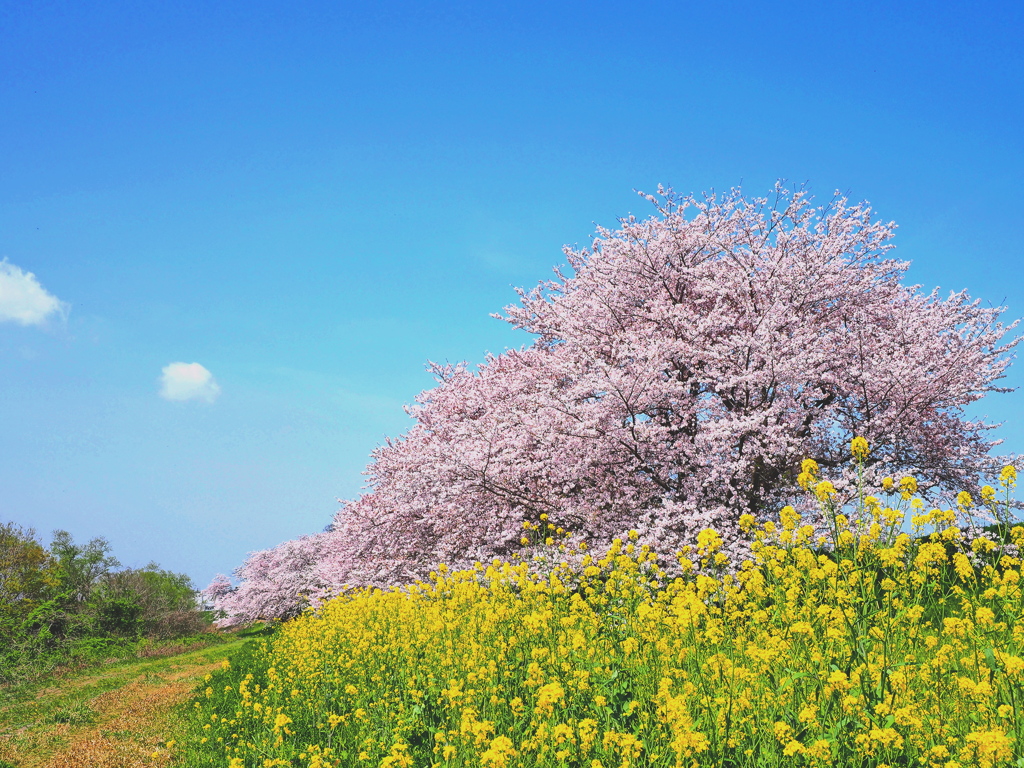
x=188, y=381
x=23, y=300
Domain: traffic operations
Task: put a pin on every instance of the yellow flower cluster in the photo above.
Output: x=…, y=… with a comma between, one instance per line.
x=859, y=448
x=794, y=658
x=891, y=649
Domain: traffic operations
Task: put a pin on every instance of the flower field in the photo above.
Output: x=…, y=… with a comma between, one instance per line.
x=887, y=636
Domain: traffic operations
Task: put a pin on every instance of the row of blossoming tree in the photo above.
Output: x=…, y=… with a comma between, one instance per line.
x=684, y=367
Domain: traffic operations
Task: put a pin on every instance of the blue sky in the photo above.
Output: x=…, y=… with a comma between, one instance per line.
x=311, y=200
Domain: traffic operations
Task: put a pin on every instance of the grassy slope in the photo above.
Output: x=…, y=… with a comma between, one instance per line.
x=117, y=716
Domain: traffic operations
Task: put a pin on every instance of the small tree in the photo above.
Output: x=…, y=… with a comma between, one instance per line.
x=81, y=566
x=276, y=583
x=27, y=577
x=149, y=602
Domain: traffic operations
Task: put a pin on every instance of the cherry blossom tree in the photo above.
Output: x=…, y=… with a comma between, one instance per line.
x=276, y=583
x=683, y=368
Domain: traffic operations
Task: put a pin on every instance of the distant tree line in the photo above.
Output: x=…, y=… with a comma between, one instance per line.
x=74, y=602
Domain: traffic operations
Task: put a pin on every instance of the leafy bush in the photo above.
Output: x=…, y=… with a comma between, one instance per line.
x=73, y=604
x=27, y=576
x=150, y=602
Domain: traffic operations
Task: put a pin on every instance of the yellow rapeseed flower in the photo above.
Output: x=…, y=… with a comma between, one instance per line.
x=498, y=753
x=789, y=517
x=709, y=540
x=793, y=748
x=988, y=748
x=548, y=696
x=782, y=732
x=963, y=566
x=824, y=490
x=744, y=638
x=859, y=448
x=908, y=486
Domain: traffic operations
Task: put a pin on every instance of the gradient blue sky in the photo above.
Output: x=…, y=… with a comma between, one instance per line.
x=311, y=200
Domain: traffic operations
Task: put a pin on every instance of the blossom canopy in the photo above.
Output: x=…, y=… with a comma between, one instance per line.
x=684, y=368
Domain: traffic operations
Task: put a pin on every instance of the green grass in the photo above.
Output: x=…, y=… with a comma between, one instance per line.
x=40, y=718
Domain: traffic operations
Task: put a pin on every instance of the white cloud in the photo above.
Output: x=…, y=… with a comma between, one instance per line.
x=23, y=300
x=188, y=381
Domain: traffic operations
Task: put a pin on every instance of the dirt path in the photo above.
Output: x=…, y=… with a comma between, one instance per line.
x=116, y=718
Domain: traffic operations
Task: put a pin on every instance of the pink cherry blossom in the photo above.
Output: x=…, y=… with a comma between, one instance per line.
x=682, y=369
